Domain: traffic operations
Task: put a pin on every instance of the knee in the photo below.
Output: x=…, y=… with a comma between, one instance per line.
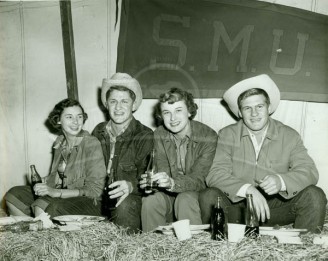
x=11, y=193
x=315, y=194
x=52, y=209
x=131, y=204
x=153, y=201
x=208, y=196
x=187, y=197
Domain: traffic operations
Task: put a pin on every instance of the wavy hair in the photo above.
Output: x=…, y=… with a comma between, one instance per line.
x=54, y=116
x=174, y=95
x=122, y=89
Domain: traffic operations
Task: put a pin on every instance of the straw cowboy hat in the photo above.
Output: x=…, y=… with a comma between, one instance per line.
x=262, y=81
x=122, y=79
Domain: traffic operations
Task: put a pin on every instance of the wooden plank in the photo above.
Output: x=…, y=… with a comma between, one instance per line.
x=69, y=52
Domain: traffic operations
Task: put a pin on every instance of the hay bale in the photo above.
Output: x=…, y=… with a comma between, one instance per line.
x=105, y=241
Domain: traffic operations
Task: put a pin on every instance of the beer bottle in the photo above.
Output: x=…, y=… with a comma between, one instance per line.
x=151, y=170
x=35, y=177
x=111, y=201
x=252, y=221
x=108, y=204
x=217, y=222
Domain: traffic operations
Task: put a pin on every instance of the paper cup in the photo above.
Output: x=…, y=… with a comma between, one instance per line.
x=236, y=232
x=182, y=229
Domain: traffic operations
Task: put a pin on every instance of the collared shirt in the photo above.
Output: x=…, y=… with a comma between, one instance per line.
x=112, y=138
x=85, y=169
x=198, y=159
x=257, y=146
x=65, y=153
x=181, y=146
x=132, y=149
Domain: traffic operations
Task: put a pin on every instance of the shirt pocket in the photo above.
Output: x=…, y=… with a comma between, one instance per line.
x=279, y=166
x=129, y=171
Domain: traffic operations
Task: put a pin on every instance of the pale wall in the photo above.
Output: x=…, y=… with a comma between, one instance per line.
x=32, y=80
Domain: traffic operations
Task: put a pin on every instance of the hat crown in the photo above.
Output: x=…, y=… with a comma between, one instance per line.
x=262, y=81
x=125, y=80
x=121, y=76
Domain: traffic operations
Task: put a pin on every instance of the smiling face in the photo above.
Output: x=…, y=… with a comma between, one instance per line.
x=120, y=106
x=71, y=121
x=255, y=113
x=176, y=117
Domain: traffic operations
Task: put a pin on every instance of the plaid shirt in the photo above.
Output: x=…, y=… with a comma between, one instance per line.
x=112, y=138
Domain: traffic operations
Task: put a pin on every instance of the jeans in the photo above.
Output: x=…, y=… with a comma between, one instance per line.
x=127, y=214
x=306, y=210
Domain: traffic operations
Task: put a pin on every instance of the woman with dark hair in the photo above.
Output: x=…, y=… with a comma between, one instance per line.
x=76, y=180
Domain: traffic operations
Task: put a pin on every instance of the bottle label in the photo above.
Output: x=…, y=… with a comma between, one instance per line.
x=252, y=232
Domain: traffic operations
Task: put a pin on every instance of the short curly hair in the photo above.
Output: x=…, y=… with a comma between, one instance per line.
x=54, y=116
x=174, y=95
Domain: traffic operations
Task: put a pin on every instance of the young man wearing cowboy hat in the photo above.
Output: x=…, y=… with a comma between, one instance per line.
x=263, y=157
x=126, y=145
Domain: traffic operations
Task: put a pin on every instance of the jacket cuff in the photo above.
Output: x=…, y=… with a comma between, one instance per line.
x=172, y=185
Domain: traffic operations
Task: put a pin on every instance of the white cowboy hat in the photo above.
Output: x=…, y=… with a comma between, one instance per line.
x=262, y=81
x=122, y=79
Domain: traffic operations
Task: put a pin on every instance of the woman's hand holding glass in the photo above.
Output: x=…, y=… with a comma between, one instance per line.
x=160, y=179
x=163, y=180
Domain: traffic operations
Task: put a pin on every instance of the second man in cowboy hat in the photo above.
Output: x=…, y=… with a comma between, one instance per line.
x=263, y=157
x=126, y=145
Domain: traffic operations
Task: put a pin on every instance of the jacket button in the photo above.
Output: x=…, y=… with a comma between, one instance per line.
x=227, y=194
x=295, y=193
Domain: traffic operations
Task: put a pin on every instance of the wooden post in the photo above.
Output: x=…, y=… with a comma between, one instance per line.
x=69, y=52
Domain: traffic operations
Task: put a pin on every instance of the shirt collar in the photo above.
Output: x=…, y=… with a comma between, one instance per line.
x=109, y=129
x=190, y=134
x=271, y=133
x=175, y=137
x=62, y=143
x=263, y=133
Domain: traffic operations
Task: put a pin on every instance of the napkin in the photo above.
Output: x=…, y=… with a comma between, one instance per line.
x=45, y=218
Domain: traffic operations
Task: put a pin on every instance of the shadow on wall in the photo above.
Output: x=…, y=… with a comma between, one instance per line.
x=101, y=105
x=225, y=105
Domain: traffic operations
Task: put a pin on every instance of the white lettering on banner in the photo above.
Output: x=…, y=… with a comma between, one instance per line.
x=302, y=38
x=243, y=37
x=185, y=21
x=220, y=32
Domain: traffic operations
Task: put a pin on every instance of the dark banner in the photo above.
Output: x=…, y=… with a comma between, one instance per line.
x=206, y=46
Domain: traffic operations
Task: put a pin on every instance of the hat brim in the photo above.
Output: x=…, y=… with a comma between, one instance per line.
x=262, y=81
x=131, y=84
